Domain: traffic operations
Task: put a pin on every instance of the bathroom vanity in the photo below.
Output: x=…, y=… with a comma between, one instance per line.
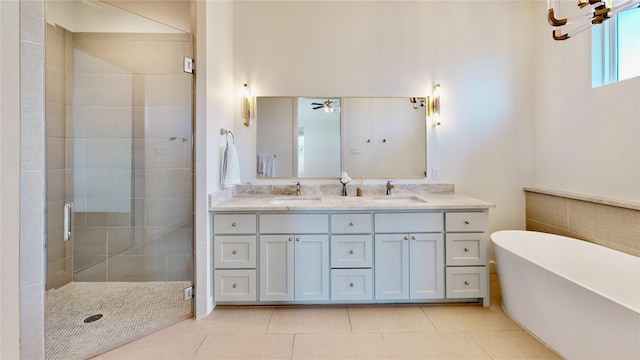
x=406, y=248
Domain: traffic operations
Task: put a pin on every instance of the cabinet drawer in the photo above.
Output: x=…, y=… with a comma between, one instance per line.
x=409, y=222
x=234, y=252
x=466, y=282
x=294, y=223
x=466, y=249
x=351, y=284
x=234, y=224
x=351, y=251
x=467, y=221
x=235, y=285
x=350, y=223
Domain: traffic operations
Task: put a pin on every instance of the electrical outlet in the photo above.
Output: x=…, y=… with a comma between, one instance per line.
x=161, y=150
x=435, y=173
x=187, y=293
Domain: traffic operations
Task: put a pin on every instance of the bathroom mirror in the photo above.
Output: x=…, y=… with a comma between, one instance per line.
x=318, y=137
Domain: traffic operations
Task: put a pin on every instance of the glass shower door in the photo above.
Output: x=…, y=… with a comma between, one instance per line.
x=132, y=158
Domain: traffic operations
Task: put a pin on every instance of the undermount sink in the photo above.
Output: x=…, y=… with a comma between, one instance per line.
x=295, y=200
x=398, y=200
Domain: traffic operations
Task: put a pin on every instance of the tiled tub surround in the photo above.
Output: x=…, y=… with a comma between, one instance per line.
x=350, y=249
x=611, y=223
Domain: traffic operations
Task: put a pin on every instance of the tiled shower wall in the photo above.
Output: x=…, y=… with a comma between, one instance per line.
x=132, y=174
x=616, y=227
x=59, y=142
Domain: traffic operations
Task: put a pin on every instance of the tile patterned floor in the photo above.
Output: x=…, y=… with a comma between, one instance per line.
x=343, y=332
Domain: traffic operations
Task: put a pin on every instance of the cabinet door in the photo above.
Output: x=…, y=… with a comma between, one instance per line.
x=311, y=267
x=235, y=285
x=392, y=266
x=276, y=268
x=426, y=270
x=351, y=251
x=466, y=249
x=234, y=252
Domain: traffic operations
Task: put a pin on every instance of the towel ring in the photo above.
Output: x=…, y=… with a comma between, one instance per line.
x=226, y=132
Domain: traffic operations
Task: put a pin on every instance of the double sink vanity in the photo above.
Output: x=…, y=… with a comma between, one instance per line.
x=422, y=244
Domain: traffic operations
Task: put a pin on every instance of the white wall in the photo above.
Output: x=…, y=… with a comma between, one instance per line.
x=586, y=140
x=9, y=181
x=480, y=51
x=214, y=110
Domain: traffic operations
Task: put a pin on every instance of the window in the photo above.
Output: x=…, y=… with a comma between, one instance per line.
x=615, y=46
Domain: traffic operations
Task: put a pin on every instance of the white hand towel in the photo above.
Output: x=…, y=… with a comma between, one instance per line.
x=266, y=165
x=230, y=174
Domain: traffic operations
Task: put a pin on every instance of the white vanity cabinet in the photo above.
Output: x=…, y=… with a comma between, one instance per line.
x=369, y=255
x=467, y=260
x=235, y=257
x=294, y=266
x=409, y=265
x=351, y=257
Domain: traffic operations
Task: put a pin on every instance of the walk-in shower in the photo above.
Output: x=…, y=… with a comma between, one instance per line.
x=119, y=170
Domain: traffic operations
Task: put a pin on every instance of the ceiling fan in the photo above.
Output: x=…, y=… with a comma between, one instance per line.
x=327, y=106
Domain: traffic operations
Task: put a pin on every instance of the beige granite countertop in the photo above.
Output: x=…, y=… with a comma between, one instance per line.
x=404, y=201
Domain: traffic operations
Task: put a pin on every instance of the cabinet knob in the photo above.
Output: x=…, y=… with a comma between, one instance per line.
x=467, y=222
x=290, y=239
x=350, y=284
x=351, y=252
x=234, y=286
x=351, y=223
x=406, y=238
x=234, y=224
x=413, y=238
x=466, y=249
x=466, y=283
x=234, y=252
x=297, y=239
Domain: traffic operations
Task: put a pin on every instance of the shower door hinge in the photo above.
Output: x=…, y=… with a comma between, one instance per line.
x=188, y=293
x=189, y=65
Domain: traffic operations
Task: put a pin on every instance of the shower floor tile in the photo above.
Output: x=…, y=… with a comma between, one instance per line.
x=129, y=311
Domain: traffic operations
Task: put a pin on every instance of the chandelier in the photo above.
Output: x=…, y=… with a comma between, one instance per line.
x=597, y=12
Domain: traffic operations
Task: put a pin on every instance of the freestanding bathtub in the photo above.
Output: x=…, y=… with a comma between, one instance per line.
x=581, y=299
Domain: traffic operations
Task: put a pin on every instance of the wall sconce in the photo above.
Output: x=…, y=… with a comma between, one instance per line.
x=433, y=111
x=247, y=106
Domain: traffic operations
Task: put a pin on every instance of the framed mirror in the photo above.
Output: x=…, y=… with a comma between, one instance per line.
x=318, y=137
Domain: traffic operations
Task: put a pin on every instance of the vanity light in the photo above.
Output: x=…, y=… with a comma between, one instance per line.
x=247, y=106
x=433, y=111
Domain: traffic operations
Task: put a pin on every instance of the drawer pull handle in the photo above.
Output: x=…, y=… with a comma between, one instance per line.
x=350, y=252
x=234, y=225
x=406, y=238
x=466, y=249
x=413, y=238
x=466, y=283
x=467, y=222
x=234, y=286
x=297, y=239
x=350, y=284
x=234, y=252
x=290, y=239
x=351, y=223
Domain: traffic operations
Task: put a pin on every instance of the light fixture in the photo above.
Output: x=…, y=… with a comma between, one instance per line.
x=247, y=106
x=433, y=110
x=600, y=12
x=418, y=102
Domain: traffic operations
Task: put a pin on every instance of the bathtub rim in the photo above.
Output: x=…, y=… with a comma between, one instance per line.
x=503, y=235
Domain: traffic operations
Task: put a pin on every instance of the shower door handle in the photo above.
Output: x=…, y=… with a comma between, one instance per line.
x=67, y=221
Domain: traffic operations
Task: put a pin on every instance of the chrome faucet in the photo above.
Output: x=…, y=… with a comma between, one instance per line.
x=298, y=192
x=389, y=187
